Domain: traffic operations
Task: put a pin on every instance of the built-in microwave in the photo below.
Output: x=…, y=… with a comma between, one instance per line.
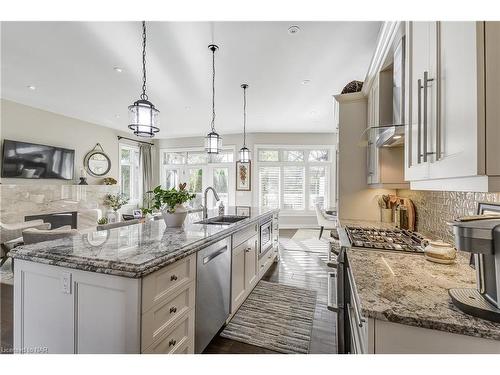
x=266, y=236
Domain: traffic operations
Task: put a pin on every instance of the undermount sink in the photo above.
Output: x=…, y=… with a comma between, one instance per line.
x=222, y=220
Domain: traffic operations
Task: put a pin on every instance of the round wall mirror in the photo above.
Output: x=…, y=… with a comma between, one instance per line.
x=97, y=162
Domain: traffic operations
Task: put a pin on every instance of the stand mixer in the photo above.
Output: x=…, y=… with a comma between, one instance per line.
x=482, y=239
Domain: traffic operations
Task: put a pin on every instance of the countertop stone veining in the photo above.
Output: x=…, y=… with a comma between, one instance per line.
x=408, y=289
x=135, y=250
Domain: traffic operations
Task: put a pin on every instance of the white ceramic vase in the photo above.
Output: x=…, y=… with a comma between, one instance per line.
x=176, y=219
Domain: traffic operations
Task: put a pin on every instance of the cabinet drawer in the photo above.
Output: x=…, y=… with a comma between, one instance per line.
x=245, y=233
x=159, y=285
x=162, y=317
x=179, y=340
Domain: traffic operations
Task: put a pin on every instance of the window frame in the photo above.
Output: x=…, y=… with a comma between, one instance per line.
x=207, y=170
x=139, y=199
x=329, y=174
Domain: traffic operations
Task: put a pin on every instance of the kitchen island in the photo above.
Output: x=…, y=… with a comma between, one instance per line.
x=402, y=303
x=134, y=289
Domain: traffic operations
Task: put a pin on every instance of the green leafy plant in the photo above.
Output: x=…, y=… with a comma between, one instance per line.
x=115, y=201
x=171, y=197
x=102, y=221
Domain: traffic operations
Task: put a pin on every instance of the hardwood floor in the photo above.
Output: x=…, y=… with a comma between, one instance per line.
x=297, y=268
x=304, y=270
x=6, y=320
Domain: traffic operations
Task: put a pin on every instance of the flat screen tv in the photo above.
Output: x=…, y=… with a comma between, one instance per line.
x=29, y=160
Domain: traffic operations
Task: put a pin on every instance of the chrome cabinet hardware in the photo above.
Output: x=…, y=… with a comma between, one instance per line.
x=426, y=86
x=332, y=304
x=173, y=310
x=419, y=122
x=173, y=278
x=438, y=91
x=172, y=342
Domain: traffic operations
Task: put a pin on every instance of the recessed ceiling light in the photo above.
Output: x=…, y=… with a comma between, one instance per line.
x=31, y=87
x=187, y=108
x=118, y=69
x=306, y=81
x=117, y=116
x=292, y=30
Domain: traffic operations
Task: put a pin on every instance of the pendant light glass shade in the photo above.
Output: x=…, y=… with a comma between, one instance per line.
x=244, y=151
x=244, y=154
x=213, y=141
x=143, y=115
x=143, y=118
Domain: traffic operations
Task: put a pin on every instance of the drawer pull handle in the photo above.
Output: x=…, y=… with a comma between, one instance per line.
x=173, y=278
x=248, y=249
x=173, y=310
x=172, y=342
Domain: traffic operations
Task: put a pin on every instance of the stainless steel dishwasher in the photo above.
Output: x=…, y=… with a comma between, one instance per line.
x=213, y=289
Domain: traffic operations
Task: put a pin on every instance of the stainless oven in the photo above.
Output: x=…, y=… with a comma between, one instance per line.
x=266, y=236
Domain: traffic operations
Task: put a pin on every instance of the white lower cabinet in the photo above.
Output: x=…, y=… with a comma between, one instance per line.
x=178, y=339
x=60, y=310
x=394, y=338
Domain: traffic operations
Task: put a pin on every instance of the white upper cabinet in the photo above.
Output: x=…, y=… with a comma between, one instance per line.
x=447, y=91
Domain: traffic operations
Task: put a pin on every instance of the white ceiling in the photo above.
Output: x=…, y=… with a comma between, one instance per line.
x=71, y=66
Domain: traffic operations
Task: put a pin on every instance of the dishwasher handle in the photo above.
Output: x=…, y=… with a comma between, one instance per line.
x=214, y=255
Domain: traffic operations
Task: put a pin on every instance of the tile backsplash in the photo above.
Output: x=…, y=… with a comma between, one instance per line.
x=435, y=208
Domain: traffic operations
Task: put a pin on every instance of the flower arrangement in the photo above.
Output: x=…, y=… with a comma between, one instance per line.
x=110, y=181
x=171, y=198
x=102, y=221
x=115, y=201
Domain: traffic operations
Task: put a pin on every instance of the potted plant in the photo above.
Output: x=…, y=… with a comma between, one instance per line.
x=115, y=202
x=171, y=204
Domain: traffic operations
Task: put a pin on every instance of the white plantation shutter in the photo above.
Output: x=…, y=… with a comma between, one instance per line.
x=293, y=188
x=269, y=187
x=317, y=186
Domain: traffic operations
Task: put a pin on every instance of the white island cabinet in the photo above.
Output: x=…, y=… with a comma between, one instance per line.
x=61, y=310
x=135, y=291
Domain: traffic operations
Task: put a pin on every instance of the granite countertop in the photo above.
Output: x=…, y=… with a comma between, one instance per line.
x=135, y=250
x=408, y=289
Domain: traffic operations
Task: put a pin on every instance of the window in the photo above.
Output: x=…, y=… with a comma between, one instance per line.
x=293, y=178
x=269, y=187
x=130, y=173
x=199, y=170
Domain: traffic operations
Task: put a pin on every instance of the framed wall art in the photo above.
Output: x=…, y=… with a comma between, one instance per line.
x=243, y=176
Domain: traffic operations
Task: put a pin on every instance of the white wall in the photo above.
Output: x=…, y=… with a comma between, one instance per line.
x=23, y=123
x=244, y=198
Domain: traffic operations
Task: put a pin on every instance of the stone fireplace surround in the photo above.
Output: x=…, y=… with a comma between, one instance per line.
x=18, y=201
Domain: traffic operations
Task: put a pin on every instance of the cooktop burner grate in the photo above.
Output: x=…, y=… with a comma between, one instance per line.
x=385, y=239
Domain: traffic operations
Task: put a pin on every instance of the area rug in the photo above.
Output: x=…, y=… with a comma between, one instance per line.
x=276, y=317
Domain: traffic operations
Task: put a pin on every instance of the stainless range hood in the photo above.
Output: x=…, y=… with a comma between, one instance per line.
x=393, y=135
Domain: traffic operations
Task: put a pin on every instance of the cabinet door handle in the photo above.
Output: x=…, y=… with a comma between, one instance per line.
x=172, y=342
x=426, y=86
x=173, y=310
x=419, y=122
x=173, y=278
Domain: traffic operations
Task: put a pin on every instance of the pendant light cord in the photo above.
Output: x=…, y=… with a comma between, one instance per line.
x=244, y=116
x=143, y=95
x=213, y=89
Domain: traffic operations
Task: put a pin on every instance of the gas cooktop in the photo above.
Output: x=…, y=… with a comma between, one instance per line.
x=385, y=239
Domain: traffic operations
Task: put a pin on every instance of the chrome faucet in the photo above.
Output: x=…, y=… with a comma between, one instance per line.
x=205, y=209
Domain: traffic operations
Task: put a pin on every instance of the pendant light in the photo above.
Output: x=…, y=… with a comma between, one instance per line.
x=213, y=141
x=143, y=114
x=244, y=151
